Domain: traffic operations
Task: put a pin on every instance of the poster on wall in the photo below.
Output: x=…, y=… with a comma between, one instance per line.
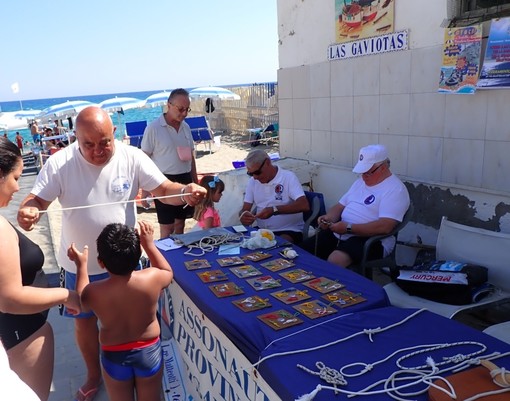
x=461, y=59
x=359, y=19
x=495, y=71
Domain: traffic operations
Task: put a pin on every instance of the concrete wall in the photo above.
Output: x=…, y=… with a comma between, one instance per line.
x=451, y=150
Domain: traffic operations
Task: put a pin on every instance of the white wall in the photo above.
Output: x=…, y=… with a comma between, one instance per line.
x=329, y=109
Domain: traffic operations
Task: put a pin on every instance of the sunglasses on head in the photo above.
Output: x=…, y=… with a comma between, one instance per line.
x=258, y=171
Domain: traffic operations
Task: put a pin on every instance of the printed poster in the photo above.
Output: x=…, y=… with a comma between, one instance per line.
x=461, y=59
x=359, y=19
x=496, y=64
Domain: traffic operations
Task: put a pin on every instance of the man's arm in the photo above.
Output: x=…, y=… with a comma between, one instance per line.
x=245, y=215
x=299, y=205
x=384, y=225
x=190, y=194
x=28, y=212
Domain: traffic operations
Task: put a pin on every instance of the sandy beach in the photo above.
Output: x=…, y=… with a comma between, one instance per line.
x=233, y=146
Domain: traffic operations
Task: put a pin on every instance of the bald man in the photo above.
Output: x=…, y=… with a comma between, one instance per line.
x=96, y=169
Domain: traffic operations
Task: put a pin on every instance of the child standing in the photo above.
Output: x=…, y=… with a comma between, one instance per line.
x=125, y=304
x=205, y=213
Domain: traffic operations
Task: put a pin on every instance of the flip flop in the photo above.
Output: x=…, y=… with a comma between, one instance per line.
x=87, y=395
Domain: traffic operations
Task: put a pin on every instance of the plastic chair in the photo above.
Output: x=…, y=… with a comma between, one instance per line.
x=317, y=208
x=367, y=266
x=200, y=130
x=135, y=131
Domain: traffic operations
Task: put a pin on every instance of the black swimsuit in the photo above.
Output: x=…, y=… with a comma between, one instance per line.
x=16, y=328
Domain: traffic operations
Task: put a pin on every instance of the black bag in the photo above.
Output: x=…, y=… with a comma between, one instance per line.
x=448, y=282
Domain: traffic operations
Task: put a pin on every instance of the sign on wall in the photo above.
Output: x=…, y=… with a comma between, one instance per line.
x=495, y=71
x=379, y=44
x=461, y=59
x=359, y=19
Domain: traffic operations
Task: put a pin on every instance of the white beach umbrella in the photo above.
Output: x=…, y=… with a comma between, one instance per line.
x=157, y=99
x=28, y=114
x=214, y=92
x=70, y=108
x=121, y=104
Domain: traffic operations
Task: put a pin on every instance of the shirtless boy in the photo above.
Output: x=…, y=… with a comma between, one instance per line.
x=125, y=304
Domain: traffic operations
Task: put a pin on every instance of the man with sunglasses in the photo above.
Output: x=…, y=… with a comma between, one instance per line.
x=374, y=204
x=169, y=143
x=277, y=197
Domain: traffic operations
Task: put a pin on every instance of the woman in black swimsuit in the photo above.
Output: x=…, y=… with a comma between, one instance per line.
x=24, y=331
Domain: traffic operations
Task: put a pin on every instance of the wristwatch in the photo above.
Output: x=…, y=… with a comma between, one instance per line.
x=348, y=229
x=275, y=211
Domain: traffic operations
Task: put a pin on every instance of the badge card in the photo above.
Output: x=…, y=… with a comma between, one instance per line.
x=230, y=261
x=278, y=264
x=257, y=256
x=253, y=303
x=264, y=282
x=210, y=276
x=291, y=295
x=245, y=271
x=343, y=298
x=323, y=285
x=196, y=264
x=280, y=319
x=226, y=289
x=297, y=275
x=314, y=309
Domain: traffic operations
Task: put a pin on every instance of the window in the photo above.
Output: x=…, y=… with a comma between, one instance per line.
x=469, y=12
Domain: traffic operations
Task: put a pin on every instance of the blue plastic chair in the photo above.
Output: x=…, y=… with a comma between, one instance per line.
x=317, y=208
x=135, y=130
x=200, y=130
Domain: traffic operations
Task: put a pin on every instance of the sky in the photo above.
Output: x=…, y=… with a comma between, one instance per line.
x=59, y=48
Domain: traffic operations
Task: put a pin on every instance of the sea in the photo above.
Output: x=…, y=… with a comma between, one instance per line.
x=138, y=114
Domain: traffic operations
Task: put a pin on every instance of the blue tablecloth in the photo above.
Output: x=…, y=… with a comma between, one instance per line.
x=244, y=329
x=290, y=382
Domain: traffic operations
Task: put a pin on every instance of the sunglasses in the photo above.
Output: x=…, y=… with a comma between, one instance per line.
x=258, y=171
x=374, y=170
x=181, y=109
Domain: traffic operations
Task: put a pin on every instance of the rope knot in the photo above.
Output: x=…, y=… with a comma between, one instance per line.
x=455, y=358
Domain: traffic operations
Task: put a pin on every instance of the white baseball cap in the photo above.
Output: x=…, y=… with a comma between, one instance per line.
x=368, y=156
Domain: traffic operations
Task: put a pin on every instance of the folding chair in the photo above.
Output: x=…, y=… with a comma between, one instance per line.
x=201, y=131
x=134, y=131
x=317, y=208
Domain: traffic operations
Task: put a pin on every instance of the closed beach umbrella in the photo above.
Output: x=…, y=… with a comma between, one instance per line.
x=214, y=92
x=121, y=104
x=157, y=99
x=59, y=111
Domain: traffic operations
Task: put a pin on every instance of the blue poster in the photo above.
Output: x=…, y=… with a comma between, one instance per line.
x=495, y=71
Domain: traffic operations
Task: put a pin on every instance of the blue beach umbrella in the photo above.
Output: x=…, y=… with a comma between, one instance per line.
x=214, y=92
x=121, y=103
x=157, y=99
x=59, y=111
x=28, y=114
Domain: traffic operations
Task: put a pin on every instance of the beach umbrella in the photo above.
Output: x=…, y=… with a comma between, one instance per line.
x=157, y=99
x=214, y=92
x=67, y=109
x=28, y=114
x=121, y=104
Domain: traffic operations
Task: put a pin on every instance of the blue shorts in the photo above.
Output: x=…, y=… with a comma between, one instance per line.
x=70, y=284
x=135, y=362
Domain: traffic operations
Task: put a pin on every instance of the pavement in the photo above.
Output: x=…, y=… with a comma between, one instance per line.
x=69, y=371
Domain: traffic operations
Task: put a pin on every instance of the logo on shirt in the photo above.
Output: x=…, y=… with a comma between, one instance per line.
x=120, y=185
x=369, y=200
x=278, y=190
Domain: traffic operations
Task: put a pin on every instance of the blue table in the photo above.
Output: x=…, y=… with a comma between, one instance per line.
x=244, y=329
x=290, y=382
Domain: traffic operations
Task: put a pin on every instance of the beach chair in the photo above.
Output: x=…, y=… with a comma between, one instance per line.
x=201, y=131
x=264, y=134
x=134, y=131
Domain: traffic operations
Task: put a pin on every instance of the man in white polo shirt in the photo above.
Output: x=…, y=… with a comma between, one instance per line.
x=277, y=195
x=374, y=204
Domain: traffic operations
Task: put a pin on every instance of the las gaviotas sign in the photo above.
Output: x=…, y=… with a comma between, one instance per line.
x=390, y=42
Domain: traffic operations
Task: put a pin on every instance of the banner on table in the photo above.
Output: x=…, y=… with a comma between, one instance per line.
x=360, y=19
x=214, y=367
x=461, y=59
x=495, y=71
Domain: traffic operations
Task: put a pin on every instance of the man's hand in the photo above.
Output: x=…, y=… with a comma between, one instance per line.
x=265, y=213
x=145, y=203
x=193, y=194
x=28, y=217
x=247, y=218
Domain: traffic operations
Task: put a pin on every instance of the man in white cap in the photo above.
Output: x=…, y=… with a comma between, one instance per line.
x=374, y=204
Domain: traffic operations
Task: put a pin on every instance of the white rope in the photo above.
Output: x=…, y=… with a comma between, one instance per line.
x=207, y=244
x=366, y=331
x=148, y=199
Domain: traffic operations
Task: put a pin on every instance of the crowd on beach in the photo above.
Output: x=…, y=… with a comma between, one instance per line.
x=100, y=248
